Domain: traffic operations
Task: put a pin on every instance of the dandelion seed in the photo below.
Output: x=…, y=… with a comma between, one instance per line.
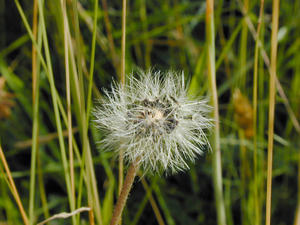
x=153, y=121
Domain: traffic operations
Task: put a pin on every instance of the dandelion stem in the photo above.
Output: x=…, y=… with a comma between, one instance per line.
x=124, y=193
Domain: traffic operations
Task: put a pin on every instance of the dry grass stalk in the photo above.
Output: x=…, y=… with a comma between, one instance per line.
x=13, y=188
x=272, y=93
x=65, y=215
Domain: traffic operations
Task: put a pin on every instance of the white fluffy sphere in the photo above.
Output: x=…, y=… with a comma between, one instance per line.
x=152, y=119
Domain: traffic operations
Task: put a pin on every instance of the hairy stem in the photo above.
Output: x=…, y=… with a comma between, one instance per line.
x=124, y=193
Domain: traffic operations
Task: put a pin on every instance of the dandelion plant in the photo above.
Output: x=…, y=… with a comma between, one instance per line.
x=154, y=122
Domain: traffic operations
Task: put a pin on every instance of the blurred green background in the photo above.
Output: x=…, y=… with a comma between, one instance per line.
x=160, y=34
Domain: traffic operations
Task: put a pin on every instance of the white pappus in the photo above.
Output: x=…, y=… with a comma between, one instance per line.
x=152, y=120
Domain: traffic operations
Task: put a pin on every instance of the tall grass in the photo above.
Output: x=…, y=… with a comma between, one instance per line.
x=57, y=56
x=217, y=168
x=255, y=100
x=275, y=16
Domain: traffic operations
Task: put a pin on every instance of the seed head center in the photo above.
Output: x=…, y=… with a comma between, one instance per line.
x=156, y=115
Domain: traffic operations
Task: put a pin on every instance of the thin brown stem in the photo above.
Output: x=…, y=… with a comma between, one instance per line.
x=275, y=16
x=122, y=73
x=123, y=43
x=35, y=107
x=107, y=24
x=13, y=187
x=297, y=217
x=91, y=217
x=124, y=193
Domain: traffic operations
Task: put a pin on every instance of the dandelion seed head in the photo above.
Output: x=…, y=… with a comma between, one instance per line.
x=152, y=119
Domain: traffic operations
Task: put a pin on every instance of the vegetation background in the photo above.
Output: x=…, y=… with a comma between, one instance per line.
x=55, y=60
